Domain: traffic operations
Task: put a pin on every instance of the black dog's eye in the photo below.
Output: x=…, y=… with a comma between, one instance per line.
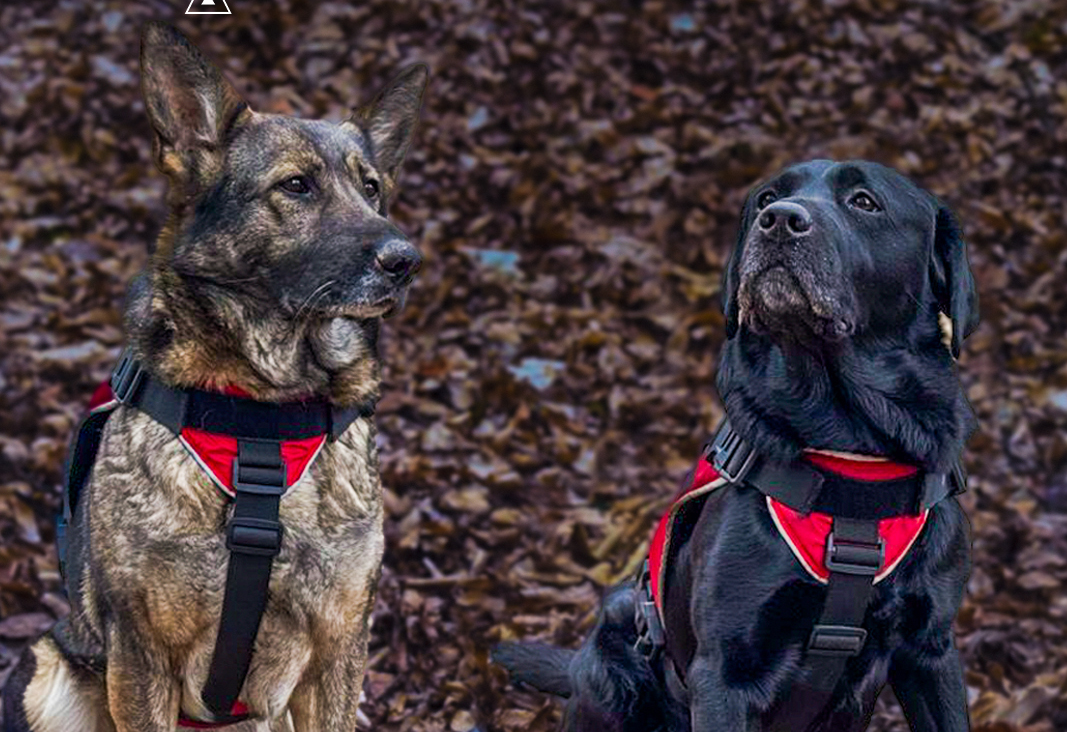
x=766, y=199
x=864, y=202
x=297, y=185
x=370, y=187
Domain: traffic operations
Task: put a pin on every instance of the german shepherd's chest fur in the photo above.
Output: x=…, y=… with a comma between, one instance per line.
x=160, y=521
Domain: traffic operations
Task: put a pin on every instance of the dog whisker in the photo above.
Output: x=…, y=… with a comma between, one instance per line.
x=316, y=295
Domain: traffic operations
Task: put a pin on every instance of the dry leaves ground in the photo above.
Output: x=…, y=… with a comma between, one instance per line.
x=575, y=187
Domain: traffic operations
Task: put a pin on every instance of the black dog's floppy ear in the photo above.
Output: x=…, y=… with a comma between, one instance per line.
x=390, y=119
x=952, y=280
x=189, y=102
x=731, y=275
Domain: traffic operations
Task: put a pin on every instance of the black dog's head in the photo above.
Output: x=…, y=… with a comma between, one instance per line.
x=831, y=250
x=277, y=231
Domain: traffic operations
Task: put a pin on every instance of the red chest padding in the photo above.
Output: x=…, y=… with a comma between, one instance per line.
x=215, y=453
x=805, y=535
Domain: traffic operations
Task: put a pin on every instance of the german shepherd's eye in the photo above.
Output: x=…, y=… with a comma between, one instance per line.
x=766, y=199
x=370, y=187
x=297, y=185
x=864, y=202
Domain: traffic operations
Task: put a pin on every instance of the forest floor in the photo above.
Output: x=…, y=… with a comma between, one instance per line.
x=575, y=186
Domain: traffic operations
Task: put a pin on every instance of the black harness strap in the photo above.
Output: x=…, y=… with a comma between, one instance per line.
x=81, y=454
x=229, y=415
x=804, y=488
x=254, y=533
x=651, y=637
x=854, y=554
x=254, y=538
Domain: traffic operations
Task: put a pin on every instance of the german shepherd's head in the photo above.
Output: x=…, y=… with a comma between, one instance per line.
x=277, y=261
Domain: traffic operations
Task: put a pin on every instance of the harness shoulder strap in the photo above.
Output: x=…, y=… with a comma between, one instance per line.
x=176, y=409
x=81, y=455
x=805, y=489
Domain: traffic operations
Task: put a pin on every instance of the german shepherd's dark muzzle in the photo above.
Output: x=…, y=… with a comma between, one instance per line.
x=268, y=281
x=837, y=297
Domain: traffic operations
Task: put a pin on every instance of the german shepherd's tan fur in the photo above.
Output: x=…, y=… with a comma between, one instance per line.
x=272, y=274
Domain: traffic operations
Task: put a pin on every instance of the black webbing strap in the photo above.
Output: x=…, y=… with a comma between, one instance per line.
x=254, y=538
x=227, y=414
x=804, y=488
x=81, y=454
x=650, y=634
x=854, y=554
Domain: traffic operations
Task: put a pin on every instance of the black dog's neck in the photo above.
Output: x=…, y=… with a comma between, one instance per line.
x=902, y=402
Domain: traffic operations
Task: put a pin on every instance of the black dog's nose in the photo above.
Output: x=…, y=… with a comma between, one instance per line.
x=399, y=259
x=793, y=216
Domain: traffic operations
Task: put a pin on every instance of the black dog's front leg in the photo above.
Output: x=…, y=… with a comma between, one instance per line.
x=929, y=684
x=713, y=707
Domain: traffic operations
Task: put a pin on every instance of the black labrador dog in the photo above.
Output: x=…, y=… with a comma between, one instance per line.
x=837, y=299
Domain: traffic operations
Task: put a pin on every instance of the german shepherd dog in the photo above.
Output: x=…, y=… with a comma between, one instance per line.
x=838, y=297
x=272, y=273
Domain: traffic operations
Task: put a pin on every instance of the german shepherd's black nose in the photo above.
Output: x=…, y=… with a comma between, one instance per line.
x=794, y=217
x=399, y=259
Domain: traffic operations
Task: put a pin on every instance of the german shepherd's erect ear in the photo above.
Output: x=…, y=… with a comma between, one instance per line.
x=191, y=105
x=389, y=120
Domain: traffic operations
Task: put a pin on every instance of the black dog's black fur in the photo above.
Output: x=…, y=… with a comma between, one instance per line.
x=832, y=308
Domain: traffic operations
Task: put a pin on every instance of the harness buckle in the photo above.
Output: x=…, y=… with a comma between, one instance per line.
x=959, y=478
x=853, y=557
x=731, y=456
x=935, y=486
x=938, y=486
x=263, y=480
x=836, y=640
x=260, y=537
x=126, y=377
x=650, y=634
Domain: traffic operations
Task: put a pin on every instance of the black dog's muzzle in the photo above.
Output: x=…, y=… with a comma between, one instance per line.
x=792, y=274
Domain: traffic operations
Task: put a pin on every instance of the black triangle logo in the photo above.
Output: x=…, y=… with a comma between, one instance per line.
x=208, y=7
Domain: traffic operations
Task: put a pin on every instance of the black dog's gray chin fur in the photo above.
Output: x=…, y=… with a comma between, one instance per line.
x=777, y=302
x=779, y=292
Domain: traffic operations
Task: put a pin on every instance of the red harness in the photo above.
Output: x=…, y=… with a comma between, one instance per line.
x=804, y=534
x=253, y=451
x=848, y=520
x=216, y=454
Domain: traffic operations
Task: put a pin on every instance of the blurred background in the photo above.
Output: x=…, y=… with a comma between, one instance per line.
x=574, y=185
